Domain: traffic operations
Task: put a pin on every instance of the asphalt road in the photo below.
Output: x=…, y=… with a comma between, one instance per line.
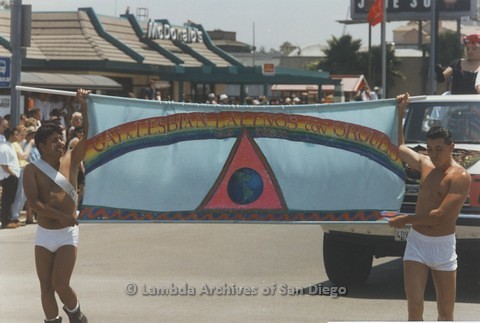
x=211, y=273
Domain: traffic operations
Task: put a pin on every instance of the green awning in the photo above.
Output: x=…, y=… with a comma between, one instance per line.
x=246, y=75
x=69, y=81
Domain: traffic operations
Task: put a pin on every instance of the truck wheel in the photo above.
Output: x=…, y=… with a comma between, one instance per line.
x=468, y=270
x=346, y=263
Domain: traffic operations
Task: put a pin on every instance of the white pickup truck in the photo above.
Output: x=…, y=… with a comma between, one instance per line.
x=348, y=249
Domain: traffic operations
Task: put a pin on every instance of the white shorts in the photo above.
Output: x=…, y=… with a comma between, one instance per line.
x=52, y=240
x=438, y=253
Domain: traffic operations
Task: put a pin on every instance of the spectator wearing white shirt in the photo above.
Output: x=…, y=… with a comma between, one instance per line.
x=9, y=173
x=3, y=126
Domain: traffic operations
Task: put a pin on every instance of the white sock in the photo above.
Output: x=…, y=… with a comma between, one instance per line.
x=75, y=309
x=53, y=320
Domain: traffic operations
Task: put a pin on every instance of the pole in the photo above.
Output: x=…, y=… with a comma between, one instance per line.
x=16, y=67
x=433, y=46
x=42, y=90
x=370, y=74
x=384, y=52
x=254, y=49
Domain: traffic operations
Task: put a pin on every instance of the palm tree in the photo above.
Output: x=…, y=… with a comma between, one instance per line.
x=342, y=56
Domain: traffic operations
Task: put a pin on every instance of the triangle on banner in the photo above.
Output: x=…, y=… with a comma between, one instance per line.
x=246, y=181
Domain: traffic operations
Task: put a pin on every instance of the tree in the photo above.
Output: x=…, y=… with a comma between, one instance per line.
x=449, y=47
x=393, y=65
x=342, y=56
x=313, y=65
x=286, y=48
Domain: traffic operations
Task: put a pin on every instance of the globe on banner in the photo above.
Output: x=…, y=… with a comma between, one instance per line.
x=245, y=186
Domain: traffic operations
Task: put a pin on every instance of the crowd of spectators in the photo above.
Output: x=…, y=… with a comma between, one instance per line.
x=17, y=149
x=260, y=100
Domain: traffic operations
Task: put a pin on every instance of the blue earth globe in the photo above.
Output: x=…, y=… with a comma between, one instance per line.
x=245, y=186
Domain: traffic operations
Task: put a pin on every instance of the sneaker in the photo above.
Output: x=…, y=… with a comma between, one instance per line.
x=30, y=221
x=18, y=223
x=10, y=225
x=76, y=317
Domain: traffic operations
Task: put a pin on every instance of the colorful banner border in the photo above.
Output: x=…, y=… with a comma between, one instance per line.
x=91, y=213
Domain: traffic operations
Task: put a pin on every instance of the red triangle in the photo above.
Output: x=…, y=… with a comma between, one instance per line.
x=245, y=161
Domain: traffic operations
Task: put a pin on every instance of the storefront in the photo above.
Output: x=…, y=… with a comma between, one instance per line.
x=181, y=63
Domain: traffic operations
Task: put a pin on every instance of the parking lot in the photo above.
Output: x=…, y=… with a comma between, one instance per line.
x=209, y=272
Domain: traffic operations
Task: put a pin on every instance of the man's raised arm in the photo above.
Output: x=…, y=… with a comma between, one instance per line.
x=407, y=155
x=78, y=153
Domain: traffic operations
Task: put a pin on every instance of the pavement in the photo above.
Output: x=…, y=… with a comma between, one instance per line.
x=204, y=272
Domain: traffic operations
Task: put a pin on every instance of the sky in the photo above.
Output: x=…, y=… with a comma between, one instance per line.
x=300, y=22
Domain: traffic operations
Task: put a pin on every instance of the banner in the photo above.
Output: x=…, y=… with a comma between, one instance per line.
x=166, y=161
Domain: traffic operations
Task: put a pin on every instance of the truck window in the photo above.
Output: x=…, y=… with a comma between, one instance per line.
x=462, y=119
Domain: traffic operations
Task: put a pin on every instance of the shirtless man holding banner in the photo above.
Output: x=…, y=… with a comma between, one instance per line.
x=50, y=187
x=444, y=186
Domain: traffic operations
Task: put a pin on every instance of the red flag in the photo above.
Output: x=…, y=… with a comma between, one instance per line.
x=375, y=14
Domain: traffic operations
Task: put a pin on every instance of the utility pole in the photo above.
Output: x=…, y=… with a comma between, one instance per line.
x=384, y=51
x=16, y=65
x=20, y=26
x=369, y=69
x=254, y=48
x=433, y=47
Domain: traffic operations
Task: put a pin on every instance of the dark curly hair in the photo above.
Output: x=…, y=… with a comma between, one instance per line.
x=440, y=133
x=45, y=131
x=9, y=132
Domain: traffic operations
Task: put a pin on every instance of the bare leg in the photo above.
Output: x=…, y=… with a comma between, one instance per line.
x=445, y=287
x=415, y=276
x=44, y=260
x=64, y=263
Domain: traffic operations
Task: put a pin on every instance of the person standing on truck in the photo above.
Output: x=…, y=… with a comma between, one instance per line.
x=463, y=72
x=444, y=186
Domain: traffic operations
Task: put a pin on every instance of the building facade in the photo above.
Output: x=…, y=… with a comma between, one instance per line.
x=142, y=57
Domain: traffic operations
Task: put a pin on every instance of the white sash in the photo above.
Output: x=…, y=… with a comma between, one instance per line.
x=58, y=178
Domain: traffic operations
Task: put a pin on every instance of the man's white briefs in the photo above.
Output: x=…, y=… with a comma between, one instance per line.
x=52, y=240
x=438, y=253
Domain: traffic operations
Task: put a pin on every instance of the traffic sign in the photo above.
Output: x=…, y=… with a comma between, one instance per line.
x=5, y=68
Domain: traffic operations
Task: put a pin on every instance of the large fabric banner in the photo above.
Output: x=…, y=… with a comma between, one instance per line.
x=166, y=161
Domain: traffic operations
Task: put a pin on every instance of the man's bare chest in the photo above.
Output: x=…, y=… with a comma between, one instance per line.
x=48, y=185
x=434, y=186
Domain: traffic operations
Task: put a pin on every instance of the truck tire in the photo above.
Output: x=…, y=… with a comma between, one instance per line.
x=346, y=263
x=468, y=273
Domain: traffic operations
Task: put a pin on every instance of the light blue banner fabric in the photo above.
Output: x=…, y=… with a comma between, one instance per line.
x=165, y=161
